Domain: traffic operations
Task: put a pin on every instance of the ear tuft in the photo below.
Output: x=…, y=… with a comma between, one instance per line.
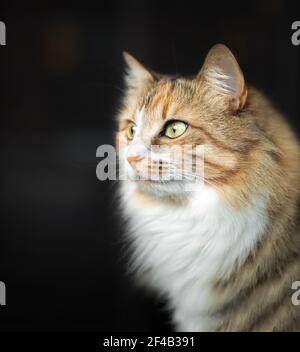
x=222, y=72
x=136, y=73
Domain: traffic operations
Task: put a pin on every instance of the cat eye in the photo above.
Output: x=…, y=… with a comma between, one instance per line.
x=130, y=130
x=175, y=129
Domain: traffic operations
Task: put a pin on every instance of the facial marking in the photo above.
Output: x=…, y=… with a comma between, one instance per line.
x=138, y=122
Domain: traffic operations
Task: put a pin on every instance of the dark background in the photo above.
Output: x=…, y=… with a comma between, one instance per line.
x=61, y=241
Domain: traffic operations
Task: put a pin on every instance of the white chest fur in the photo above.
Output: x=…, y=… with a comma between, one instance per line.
x=181, y=250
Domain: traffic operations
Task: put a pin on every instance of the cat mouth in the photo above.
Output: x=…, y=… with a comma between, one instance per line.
x=161, y=182
x=156, y=180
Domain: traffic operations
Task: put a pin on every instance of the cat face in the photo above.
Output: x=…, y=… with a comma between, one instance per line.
x=177, y=131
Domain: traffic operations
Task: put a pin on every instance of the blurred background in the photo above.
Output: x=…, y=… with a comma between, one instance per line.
x=61, y=240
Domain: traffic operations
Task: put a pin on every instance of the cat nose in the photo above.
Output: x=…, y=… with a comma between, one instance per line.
x=132, y=159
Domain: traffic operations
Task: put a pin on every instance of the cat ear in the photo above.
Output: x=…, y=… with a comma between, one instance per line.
x=136, y=73
x=222, y=72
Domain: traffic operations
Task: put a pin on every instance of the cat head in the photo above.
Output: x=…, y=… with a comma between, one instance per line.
x=191, y=121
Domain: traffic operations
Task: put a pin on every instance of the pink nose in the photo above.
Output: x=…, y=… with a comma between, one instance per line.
x=132, y=159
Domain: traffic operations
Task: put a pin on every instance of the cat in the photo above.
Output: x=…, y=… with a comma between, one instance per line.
x=225, y=254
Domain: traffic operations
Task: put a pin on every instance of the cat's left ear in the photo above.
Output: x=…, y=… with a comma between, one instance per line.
x=136, y=74
x=222, y=72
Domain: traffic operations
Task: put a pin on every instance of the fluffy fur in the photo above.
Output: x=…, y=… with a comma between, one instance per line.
x=224, y=255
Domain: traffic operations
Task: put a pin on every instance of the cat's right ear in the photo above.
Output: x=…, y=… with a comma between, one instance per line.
x=224, y=75
x=136, y=74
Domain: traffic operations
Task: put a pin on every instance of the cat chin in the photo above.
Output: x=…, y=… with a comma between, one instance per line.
x=160, y=189
x=176, y=188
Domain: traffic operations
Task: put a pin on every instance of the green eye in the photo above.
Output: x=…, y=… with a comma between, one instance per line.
x=130, y=130
x=175, y=129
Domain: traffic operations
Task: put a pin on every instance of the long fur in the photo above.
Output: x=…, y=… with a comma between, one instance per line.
x=225, y=255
